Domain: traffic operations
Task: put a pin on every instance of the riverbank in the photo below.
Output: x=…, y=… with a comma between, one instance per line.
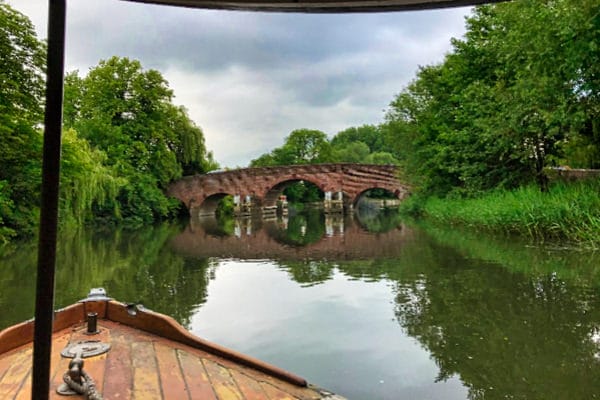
x=568, y=211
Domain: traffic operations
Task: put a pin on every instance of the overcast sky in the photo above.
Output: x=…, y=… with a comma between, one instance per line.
x=249, y=79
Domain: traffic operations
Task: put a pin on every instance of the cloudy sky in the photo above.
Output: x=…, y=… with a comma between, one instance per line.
x=249, y=79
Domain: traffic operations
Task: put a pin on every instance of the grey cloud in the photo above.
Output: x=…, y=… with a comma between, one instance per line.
x=249, y=79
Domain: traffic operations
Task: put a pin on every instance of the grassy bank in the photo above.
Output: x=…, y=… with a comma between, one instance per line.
x=569, y=211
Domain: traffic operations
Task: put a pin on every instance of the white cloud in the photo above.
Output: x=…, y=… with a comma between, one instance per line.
x=249, y=79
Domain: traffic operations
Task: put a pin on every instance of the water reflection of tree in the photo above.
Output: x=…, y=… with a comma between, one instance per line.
x=378, y=221
x=308, y=273
x=135, y=267
x=506, y=334
x=302, y=229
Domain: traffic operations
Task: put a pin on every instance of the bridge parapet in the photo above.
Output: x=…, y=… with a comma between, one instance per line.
x=261, y=186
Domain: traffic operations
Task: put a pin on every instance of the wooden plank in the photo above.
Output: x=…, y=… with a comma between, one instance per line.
x=274, y=393
x=196, y=378
x=250, y=388
x=171, y=376
x=222, y=381
x=166, y=327
x=6, y=360
x=297, y=391
x=98, y=307
x=145, y=371
x=15, y=374
x=68, y=316
x=60, y=340
x=118, y=377
x=25, y=391
x=15, y=336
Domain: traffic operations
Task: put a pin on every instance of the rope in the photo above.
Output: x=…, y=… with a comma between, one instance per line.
x=87, y=387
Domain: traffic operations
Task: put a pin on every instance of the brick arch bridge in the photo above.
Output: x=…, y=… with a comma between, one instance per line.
x=259, y=189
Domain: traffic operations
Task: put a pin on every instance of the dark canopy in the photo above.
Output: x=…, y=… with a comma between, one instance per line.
x=319, y=6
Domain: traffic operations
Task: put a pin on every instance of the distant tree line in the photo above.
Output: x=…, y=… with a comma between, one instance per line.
x=366, y=144
x=519, y=93
x=124, y=140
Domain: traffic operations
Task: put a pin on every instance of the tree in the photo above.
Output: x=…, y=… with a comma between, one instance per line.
x=127, y=113
x=352, y=152
x=308, y=147
x=367, y=134
x=302, y=146
x=518, y=93
x=86, y=182
x=22, y=58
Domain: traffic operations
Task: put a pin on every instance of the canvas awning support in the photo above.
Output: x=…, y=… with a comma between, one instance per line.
x=44, y=301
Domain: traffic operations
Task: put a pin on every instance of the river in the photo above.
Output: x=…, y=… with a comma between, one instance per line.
x=368, y=307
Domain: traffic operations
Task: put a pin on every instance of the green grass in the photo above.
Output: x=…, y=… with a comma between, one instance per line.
x=569, y=211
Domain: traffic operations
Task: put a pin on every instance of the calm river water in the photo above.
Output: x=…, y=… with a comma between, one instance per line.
x=368, y=308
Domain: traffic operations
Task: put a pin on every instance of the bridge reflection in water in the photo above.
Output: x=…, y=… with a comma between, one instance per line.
x=310, y=235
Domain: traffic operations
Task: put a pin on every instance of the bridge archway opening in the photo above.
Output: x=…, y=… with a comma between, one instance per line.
x=215, y=205
x=296, y=191
x=375, y=197
x=299, y=230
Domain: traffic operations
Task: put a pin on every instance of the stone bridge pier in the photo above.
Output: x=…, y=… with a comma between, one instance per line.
x=259, y=190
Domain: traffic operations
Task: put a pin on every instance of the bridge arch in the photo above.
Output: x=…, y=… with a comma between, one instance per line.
x=259, y=187
x=210, y=204
x=272, y=194
x=394, y=192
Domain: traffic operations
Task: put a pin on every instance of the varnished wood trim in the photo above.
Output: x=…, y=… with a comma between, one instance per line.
x=20, y=334
x=98, y=307
x=15, y=336
x=68, y=316
x=167, y=327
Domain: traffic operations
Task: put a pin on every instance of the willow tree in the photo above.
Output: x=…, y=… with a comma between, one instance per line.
x=127, y=113
x=86, y=182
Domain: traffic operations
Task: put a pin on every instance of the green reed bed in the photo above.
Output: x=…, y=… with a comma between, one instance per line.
x=568, y=211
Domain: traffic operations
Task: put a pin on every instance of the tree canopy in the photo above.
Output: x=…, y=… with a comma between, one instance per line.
x=22, y=58
x=127, y=113
x=365, y=144
x=517, y=94
x=124, y=140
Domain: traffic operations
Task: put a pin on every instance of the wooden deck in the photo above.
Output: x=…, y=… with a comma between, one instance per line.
x=142, y=365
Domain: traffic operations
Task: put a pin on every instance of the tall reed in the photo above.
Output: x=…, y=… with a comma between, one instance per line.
x=568, y=211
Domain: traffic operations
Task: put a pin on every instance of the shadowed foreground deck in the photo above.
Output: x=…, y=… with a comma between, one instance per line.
x=142, y=365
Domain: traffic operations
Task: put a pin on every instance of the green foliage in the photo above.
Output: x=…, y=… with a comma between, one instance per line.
x=367, y=134
x=225, y=208
x=303, y=228
x=87, y=183
x=568, y=211
x=303, y=192
x=302, y=146
x=518, y=93
x=135, y=266
x=22, y=58
x=126, y=112
x=6, y=207
x=366, y=144
x=125, y=141
x=352, y=152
